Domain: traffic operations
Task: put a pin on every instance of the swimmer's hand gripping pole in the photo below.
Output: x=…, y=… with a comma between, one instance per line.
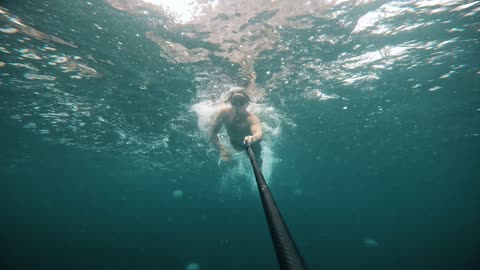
x=288, y=256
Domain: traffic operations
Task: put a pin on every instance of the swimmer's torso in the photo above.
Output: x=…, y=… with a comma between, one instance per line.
x=237, y=126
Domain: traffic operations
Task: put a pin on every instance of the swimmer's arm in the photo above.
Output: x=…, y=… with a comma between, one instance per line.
x=216, y=126
x=256, y=128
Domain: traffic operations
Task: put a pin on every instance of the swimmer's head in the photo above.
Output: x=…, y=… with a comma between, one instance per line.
x=238, y=98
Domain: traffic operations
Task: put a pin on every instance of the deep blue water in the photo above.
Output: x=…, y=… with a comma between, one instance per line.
x=371, y=113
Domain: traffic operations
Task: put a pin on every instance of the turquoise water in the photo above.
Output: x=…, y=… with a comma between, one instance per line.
x=371, y=113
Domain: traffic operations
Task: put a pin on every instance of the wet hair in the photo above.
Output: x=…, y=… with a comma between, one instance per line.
x=238, y=92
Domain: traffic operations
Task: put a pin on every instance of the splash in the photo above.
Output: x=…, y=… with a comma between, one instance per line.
x=237, y=175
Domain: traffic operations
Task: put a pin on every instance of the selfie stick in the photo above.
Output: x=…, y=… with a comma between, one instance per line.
x=288, y=256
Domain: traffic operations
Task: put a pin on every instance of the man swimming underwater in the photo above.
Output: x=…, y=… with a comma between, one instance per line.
x=242, y=127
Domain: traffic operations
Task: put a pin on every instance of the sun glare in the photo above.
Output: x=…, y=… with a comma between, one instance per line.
x=183, y=11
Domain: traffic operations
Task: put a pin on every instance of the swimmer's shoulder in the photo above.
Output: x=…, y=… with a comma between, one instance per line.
x=225, y=111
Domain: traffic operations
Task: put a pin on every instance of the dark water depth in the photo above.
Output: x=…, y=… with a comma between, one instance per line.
x=370, y=109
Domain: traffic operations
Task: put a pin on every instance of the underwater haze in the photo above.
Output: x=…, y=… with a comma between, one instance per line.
x=370, y=111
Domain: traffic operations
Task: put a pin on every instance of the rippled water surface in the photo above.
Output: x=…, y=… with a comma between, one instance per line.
x=371, y=114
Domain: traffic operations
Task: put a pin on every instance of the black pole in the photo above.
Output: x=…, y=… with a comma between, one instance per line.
x=288, y=256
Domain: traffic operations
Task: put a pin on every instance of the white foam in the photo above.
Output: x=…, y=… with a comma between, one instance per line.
x=206, y=111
